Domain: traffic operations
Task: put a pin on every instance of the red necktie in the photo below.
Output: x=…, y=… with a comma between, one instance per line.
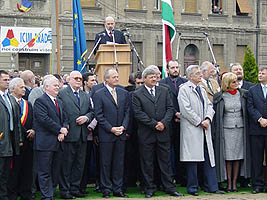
x=57, y=106
x=110, y=35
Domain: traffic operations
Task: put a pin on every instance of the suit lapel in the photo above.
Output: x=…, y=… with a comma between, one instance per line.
x=171, y=84
x=71, y=95
x=52, y=104
x=146, y=94
x=109, y=96
x=81, y=95
x=158, y=92
x=260, y=92
x=2, y=101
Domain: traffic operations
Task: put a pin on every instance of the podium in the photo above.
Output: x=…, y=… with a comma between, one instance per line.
x=105, y=60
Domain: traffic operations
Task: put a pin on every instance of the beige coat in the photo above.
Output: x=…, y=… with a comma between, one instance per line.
x=192, y=135
x=214, y=86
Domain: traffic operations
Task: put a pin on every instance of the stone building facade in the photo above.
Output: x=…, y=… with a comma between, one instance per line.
x=231, y=25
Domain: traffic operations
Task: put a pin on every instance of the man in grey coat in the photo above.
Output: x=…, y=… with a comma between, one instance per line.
x=196, y=142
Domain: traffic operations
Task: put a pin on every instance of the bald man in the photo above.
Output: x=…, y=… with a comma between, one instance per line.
x=110, y=34
x=78, y=112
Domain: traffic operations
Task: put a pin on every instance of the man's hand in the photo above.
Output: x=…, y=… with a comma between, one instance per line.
x=96, y=141
x=205, y=124
x=60, y=137
x=64, y=131
x=117, y=130
x=81, y=120
x=177, y=117
x=160, y=126
x=31, y=134
x=263, y=122
x=21, y=144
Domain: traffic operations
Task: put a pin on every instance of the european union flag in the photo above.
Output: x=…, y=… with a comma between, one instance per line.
x=79, y=42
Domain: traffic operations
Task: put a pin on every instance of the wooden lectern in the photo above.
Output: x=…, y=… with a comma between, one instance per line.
x=105, y=60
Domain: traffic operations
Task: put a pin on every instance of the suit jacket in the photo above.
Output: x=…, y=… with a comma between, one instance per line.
x=47, y=123
x=192, y=114
x=257, y=108
x=72, y=111
x=27, y=93
x=109, y=114
x=5, y=141
x=149, y=111
x=99, y=86
x=174, y=90
x=246, y=85
x=214, y=86
x=119, y=38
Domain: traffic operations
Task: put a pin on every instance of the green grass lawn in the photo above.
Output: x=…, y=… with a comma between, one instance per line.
x=135, y=193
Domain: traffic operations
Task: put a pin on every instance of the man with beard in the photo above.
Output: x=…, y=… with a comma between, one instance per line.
x=175, y=81
x=237, y=69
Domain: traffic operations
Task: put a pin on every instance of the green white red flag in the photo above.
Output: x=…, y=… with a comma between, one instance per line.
x=169, y=33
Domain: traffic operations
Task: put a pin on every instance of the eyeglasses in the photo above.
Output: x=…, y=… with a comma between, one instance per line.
x=77, y=78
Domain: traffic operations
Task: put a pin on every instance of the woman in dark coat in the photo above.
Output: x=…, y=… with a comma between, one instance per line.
x=232, y=148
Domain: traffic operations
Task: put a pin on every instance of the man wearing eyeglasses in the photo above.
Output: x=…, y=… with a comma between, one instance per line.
x=78, y=112
x=10, y=132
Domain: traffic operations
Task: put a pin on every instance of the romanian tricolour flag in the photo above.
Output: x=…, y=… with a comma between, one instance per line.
x=25, y=6
x=79, y=42
x=169, y=33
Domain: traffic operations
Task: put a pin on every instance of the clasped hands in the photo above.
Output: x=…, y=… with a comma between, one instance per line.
x=117, y=130
x=263, y=122
x=62, y=133
x=160, y=126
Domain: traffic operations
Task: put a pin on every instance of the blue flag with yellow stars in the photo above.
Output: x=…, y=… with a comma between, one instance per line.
x=79, y=42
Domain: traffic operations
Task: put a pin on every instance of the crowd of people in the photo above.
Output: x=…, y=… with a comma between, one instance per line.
x=214, y=131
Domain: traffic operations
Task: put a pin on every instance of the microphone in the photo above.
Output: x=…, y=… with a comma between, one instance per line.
x=206, y=34
x=127, y=34
x=101, y=34
x=125, y=29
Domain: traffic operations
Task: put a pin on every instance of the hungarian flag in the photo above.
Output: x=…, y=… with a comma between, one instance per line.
x=169, y=33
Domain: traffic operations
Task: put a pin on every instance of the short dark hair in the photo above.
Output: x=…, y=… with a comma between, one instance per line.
x=131, y=79
x=3, y=72
x=138, y=75
x=15, y=70
x=86, y=75
x=58, y=77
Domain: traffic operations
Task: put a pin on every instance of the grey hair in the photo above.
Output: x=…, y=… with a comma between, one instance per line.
x=233, y=65
x=189, y=69
x=107, y=72
x=14, y=83
x=260, y=69
x=148, y=71
x=205, y=65
x=27, y=75
x=48, y=81
x=154, y=67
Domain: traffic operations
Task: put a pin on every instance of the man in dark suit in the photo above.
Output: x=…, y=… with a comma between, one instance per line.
x=10, y=133
x=29, y=80
x=112, y=113
x=257, y=108
x=48, y=124
x=109, y=35
x=237, y=69
x=153, y=110
x=175, y=81
x=20, y=176
x=78, y=113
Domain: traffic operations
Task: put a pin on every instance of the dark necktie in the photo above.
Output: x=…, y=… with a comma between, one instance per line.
x=77, y=97
x=57, y=106
x=174, y=82
x=111, y=35
x=152, y=94
x=19, y=102
x=200, y=95
x=208, y=84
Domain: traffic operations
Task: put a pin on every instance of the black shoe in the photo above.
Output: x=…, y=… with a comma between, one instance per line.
x=67, y=196
x=77, y=194
x=256, y=190
x=148, y=195
x=194, y=193
x=176, y=194
x=120, y=194
x=106, y=195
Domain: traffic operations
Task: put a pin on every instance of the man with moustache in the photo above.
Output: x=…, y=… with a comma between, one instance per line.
x=78, y=112
x=20, y=177
x=237, y=69
x=153, y=110
x=10, y=132
x=112, y=113
x=50, y=131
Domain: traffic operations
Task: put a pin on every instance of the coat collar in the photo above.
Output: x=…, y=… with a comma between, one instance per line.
x=71, y=95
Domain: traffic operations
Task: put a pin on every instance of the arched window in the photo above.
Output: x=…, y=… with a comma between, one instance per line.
x=191, y=56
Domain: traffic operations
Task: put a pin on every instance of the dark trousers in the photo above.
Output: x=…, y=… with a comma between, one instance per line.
x=111, y=157
x=87, y=163
x=163, y=155
x=72, y=167
x=20, y=176
x=48, y=166
x=258, y=145
x=4, y=172
x=209, y=174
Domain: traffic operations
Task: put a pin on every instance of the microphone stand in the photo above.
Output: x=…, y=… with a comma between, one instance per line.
x=178, y=47
x=115, y=52
x=217, y=66
x=91, y=53
x=139, y=61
